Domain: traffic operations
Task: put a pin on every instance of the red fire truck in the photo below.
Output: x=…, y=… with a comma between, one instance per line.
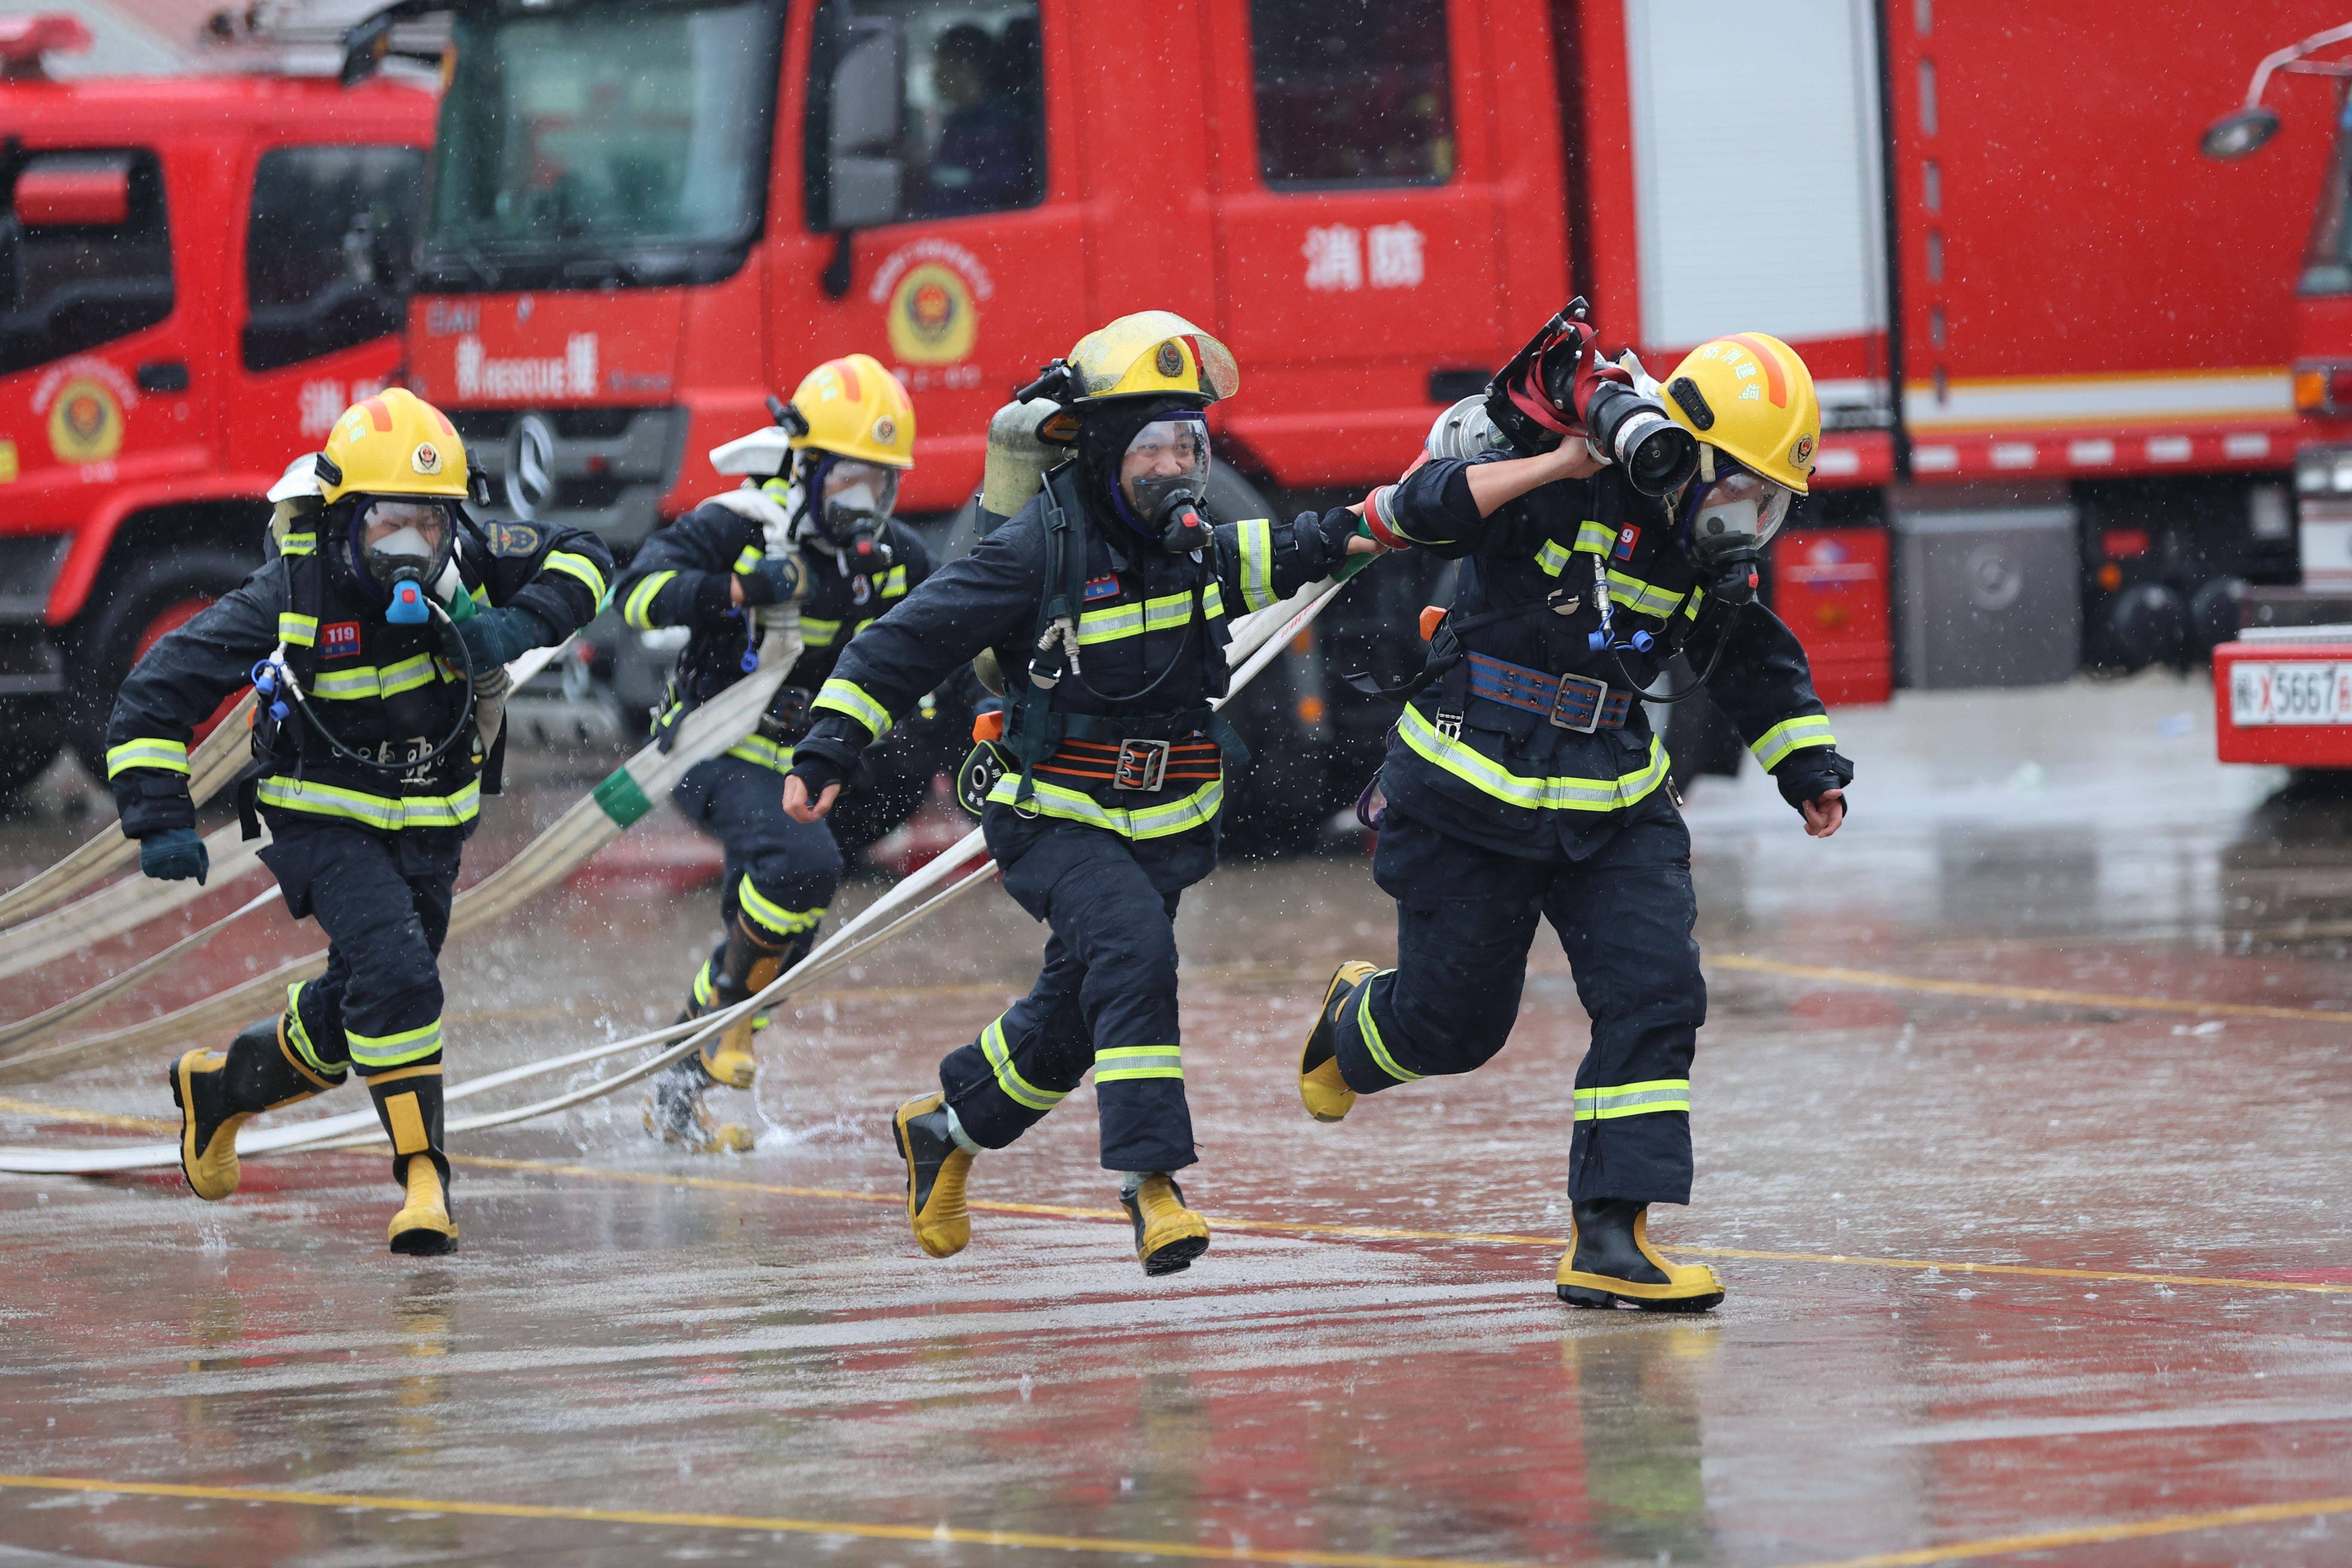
x=196, y=274
x=2050, y=339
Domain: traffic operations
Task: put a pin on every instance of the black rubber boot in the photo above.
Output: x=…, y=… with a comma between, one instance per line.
x=408, y=1103
x=1610, y=1260
x=217, y=1090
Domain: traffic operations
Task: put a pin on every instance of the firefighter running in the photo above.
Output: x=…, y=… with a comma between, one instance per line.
x=386, y=609
x=1523, y=781
x=812, y=522
x=1104, y=603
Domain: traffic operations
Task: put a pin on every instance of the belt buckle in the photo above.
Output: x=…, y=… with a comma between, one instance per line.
x=1600, y=690
x=1142, y=764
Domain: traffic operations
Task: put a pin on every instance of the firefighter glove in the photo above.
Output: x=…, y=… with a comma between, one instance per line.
x=1804, y=775
x=820, y=762
x=497, y=637
x=175, y=855
x=773, y=581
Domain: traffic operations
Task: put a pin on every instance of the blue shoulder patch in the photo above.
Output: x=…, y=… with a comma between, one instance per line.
x=514, y=539
x=1099, y=588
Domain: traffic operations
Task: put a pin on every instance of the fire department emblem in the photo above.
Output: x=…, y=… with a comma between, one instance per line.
x=426, y=459
x=1801, y=454
x=931, y=320
x=1169, y=360
x=885, y=430
x=85, y=423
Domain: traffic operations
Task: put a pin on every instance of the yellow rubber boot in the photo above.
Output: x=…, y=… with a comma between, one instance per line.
x=217, y=1091
x=1324, y=1092
x=422, y=1227
x=1610, y=1260
x=1168, y=1236
x=730, y=1060
x=936, y=1168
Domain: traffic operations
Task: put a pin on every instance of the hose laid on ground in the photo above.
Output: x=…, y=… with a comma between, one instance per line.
x=1257, y=639
x=211, y=765
x=592, y=823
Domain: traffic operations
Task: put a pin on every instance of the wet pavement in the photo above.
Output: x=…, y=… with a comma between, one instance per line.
x=2021, y=1117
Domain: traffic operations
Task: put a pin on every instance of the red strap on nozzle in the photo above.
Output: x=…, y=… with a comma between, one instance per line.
x=1384, y=536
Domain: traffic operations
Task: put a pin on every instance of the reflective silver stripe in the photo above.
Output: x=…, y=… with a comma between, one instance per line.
x=1632, y=1100
x=297, y=631
x=1116, y=1064
x=579, y=567
x=748, y=562
x=1256, y=536
x=1552, y=557
x=171, y=756
x=1555, y=793
x=764, y=752
x=1166, y=613
x=1195, y=810
x=1017, y=1089
x=815, y=633
x=386, y=812
x=1592, y=536
x=367, y=681
x=1773, y=746
x=639, y=605
x=847, y=697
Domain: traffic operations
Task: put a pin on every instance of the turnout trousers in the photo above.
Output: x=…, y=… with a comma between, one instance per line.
x=1465, y=919
x=780, y=875
x=383, y=901
x=1106, y=997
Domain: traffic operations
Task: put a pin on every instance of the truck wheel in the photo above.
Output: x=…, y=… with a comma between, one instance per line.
x=32, y=733
x=133, y=614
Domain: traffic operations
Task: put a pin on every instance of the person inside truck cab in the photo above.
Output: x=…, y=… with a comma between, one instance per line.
x=986, y=157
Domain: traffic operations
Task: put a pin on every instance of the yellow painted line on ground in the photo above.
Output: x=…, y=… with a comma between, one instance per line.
x=1387, y=1233
x=2096, y=1534
x=86, y=1118
x=1274, y=1227
x=926, y=1534
x=1881, y=981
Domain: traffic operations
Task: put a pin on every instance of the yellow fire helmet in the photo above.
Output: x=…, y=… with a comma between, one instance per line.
x=1750, y=395
x=1152, y=354
x=855, y=407
x=393, y=443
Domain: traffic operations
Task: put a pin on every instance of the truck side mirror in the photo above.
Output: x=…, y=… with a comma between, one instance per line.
x=864, y=173
x=2236, y=135
x=74, y=192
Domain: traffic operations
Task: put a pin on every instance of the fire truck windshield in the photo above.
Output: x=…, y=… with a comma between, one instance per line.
x=600, y=144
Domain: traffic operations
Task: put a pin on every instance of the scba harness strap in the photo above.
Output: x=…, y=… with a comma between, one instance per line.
x=1036, y=730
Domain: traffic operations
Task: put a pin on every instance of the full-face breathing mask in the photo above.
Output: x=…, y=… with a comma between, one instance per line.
x=1729, y=515
x=1165, y=475
x=405, y=565
x=850, y=503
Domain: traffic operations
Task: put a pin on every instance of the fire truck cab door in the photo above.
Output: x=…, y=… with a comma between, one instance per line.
x=322, y=242
x=1358, y=223
x=101, y=299
x=927, y=210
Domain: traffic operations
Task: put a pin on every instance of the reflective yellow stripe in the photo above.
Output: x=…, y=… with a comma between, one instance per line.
x=847, y=697
x=1166, y=613
x=367, y=681
x=394, y=1050
x=1256, y=535
x=773, y=915
x=764, y=752
x=894, y=585
x=1552, y=557
x=639, y=605
x=815, y=633
x=1773, y=746
x=1690, y=606
x=1632, y=1100
x=1547, y=794
x=705, y=993
x=299, y=1038
x=1008, y=1078
x=579, y=567
x=297, y=631
x=1371, y=1031
x=1180, y=816
x=748, y=562
x=301, y=543
x=388, y=813
x=171, y=756
x=1593, y=536
x=1116, y=1064
x=1640, y=597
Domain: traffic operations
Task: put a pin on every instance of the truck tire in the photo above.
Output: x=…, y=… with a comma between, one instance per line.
x=127, y=617
x=32, y=733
